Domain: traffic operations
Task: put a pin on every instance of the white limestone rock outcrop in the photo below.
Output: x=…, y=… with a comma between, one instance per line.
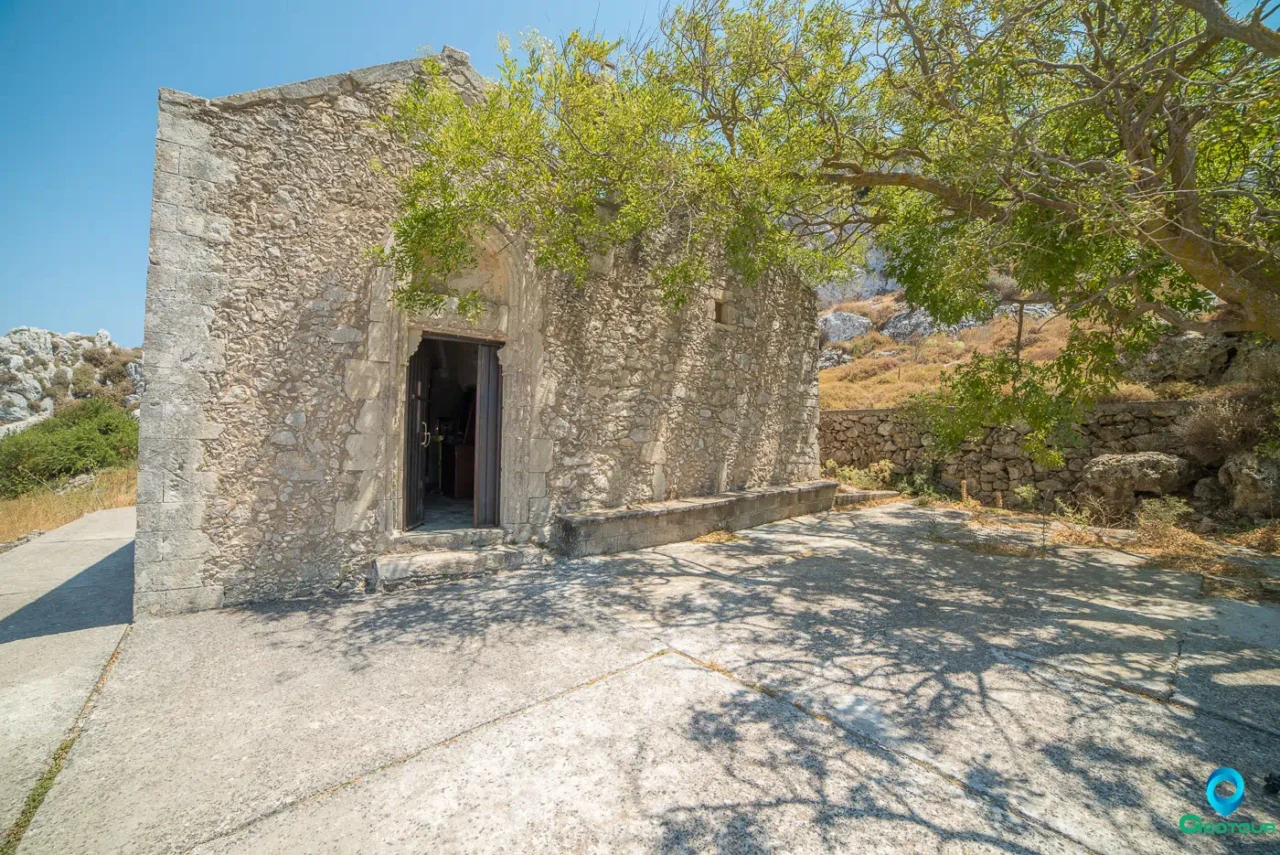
x=1117, y=479
x=13, y=407
x=874, y=279
x=39, y=368
x=1030, y=310
x=844, y=326
x=832, y=357
x=866, y=282
x=1254, y=484
x=908, y=324
x=914, y=323
x=840, y=291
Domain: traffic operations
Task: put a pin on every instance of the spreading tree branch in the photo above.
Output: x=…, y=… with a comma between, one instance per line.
x=1253, y=33
x=954, y=197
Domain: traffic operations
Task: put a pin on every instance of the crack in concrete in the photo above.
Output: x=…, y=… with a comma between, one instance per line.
x=1177, y=662
x=1162, y=697
x=448, y=740
x=1165, y=698
x=35, y=798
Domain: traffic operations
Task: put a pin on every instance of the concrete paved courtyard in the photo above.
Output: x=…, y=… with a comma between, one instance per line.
x=65, y=600
x=845, y=682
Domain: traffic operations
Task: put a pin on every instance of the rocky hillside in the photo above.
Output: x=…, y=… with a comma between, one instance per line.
x=878, y=351
x=867, y=282
x=40, y=369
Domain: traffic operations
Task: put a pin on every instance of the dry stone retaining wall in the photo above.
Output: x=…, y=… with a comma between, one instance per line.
x=997, y=462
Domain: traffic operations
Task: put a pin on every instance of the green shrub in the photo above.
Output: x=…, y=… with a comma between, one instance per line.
x=84, y=378
x=82, y=437
x=99, y=357
x=877, y=476
x=1027, y=495
x=1164, y=512
x=922, y=487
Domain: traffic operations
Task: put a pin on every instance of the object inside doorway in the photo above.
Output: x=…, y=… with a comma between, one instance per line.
x=446, y=430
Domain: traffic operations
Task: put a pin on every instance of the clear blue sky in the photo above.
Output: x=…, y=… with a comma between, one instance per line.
x=78, y=101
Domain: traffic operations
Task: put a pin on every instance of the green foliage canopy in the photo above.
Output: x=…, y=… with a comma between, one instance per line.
x=1120, y=159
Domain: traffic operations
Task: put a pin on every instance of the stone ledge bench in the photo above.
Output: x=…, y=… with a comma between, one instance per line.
x=640, y=526
x=853, y=498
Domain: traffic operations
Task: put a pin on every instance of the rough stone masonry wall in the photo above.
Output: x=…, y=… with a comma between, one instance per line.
x=645, y=405
x=262, y=436
x=997, y=462
x=272, y=424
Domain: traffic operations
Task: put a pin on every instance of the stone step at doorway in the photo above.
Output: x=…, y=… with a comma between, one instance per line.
x=440, y=541
x=403, y=569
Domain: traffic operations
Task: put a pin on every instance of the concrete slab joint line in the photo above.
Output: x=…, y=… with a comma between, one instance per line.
x=65, y=602
x=1168, y=697
x=400, y=761
x=719, y=671
x=35, y=799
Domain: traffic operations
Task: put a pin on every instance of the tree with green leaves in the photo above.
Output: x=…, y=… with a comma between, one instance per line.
x=1118, y=159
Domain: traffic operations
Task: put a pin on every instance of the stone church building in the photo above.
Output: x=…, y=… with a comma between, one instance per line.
x=301, y=435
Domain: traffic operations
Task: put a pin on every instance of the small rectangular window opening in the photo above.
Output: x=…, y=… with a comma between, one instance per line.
x=721, y=312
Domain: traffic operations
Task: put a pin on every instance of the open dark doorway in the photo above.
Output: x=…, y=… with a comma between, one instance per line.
x=452, y=441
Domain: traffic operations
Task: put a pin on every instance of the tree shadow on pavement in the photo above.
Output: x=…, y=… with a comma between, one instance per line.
x=1039, y=684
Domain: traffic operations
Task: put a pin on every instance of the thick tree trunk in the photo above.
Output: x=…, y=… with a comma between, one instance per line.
x=1248, y=281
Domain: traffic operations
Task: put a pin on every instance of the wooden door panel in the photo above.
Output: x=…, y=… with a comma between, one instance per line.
x=418, y=378
x=488, y=437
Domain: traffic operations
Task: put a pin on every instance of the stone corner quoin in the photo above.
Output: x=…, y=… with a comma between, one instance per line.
x=272, y=424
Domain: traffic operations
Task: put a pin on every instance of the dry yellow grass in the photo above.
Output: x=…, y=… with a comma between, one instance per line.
x=720, y=536
x=1238, y=589
x=1126, y=391
x=990, y=546
x=45, y=510
x=1163, y=545
x=1264, y=539
x=885, y=373
x=1178, y=549
x=1076, y=535
x=879, y=308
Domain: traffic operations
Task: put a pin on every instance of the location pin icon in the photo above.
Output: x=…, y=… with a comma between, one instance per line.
x=1224, y=805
